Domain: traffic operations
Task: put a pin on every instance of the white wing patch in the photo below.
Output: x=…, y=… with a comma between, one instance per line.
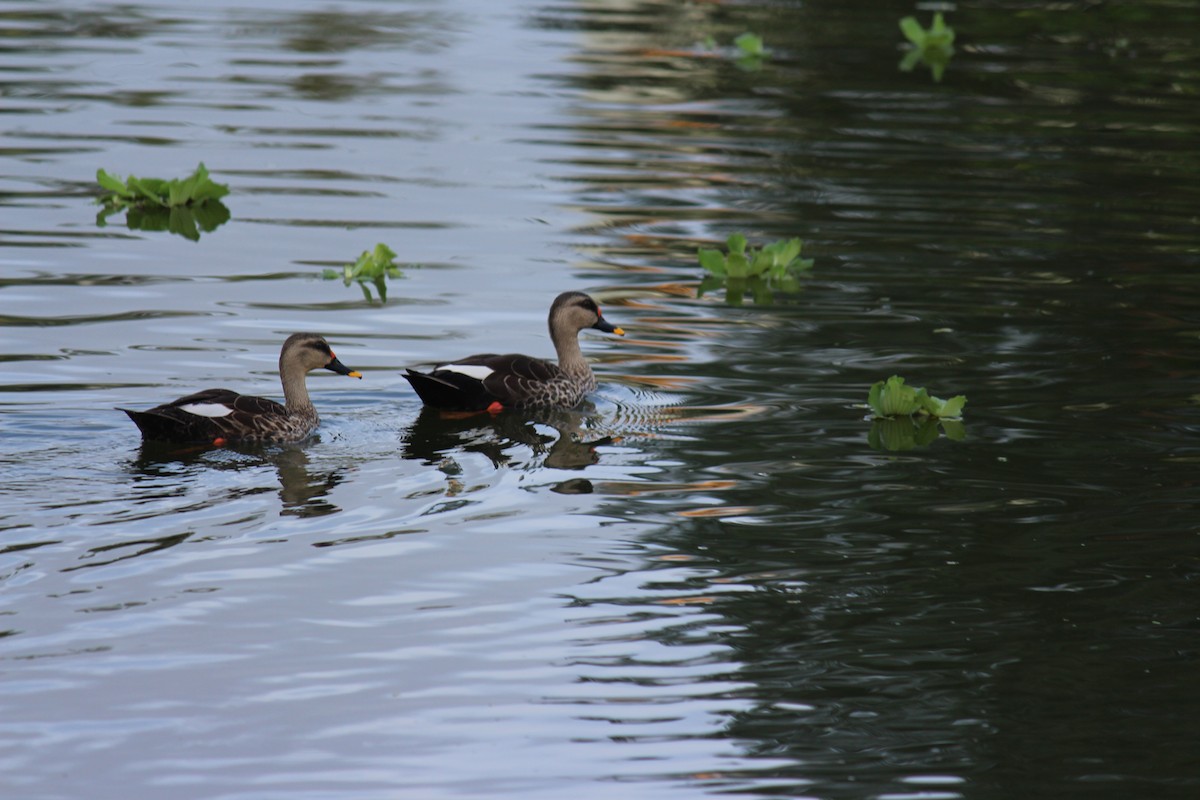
x=476, y=371
x=207, y=409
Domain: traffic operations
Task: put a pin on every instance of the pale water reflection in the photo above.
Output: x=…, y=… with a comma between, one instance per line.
x=707, y=581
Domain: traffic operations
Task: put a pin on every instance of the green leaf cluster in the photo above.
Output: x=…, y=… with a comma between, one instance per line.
x=753, y=52
x=777, y=267
x=373, y=267
x=194, y=190
x=893, y=398
x=933, y=47
x=183, y=206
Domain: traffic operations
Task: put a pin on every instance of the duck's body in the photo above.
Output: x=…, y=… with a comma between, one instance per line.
x=489, y=381
x=218, y=416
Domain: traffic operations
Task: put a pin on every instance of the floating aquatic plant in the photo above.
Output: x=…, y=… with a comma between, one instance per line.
x=752, y=52
x=776, y=267
x=748, y=52
x=932, y=47
x=185, y=206
x=907, y=417
x=894, y=398
x=195, y=189
x=372, y=267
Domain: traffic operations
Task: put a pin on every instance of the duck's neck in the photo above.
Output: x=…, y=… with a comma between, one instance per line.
x=295, y=391
x=570, y=357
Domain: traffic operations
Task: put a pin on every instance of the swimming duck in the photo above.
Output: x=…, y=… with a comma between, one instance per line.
x=218, y=416
x=493, y=382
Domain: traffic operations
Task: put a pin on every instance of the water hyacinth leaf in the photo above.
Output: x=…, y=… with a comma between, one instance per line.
x=874, y=398
x=737, y=265
x=764, y=272
x=178, y=193
x=952, y=407
x=112, y=183
x=750, y=44
x=202, y=189
x=144, y=190
x=183, y=192
x=194, y=189
x=713, y=262
x=932, y=47
x=913, y=31
x=371, y=268
x=784, y=252
x=206, y=191
x=762, y=262
x=940, y=35
x=384, y=253
x=893, y=398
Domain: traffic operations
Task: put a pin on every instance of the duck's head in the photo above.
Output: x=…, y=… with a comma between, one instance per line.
x=308, y=351
x=574, y=311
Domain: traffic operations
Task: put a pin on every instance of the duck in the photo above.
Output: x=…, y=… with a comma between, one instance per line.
x=491, y=382
x=220, y=416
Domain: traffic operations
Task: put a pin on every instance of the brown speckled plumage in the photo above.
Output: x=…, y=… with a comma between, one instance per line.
x=220, y=415
x=478, y=382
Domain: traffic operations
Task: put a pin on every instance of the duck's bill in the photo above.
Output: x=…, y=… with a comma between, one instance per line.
x=342, y=369
x=604, y=325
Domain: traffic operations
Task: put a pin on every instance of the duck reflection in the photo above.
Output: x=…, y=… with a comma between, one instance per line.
x=303, y=492
x=435, y=436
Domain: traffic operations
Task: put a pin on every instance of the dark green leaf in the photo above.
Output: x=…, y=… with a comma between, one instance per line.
x=712, y=261
x=112, y=183
x=750, y=44
x=736, y=266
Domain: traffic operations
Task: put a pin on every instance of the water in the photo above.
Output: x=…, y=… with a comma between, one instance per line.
x=717, y=585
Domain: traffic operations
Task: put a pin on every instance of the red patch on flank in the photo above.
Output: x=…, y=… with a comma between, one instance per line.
x=218, y=442
x=495, y=407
